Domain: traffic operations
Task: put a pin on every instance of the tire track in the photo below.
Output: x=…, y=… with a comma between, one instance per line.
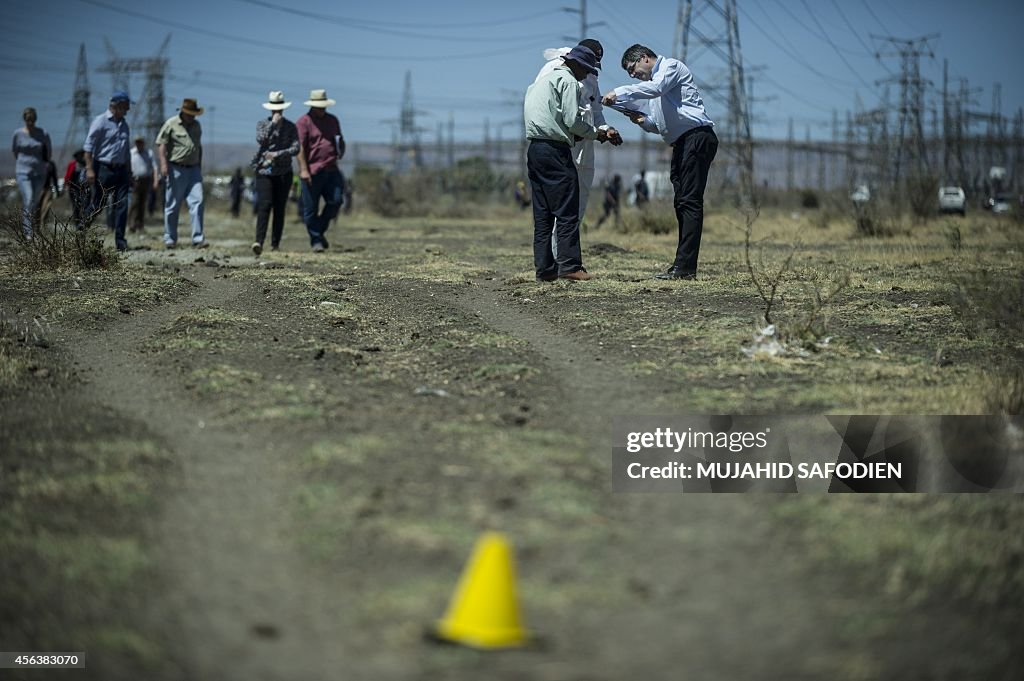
x=246, y=605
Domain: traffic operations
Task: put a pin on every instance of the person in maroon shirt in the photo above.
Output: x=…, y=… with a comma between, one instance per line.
x=321, y=147
x=74, y=185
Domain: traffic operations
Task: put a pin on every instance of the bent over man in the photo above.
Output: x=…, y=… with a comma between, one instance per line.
x=667, y=102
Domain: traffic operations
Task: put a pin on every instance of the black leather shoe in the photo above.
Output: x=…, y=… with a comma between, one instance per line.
x=676, y=273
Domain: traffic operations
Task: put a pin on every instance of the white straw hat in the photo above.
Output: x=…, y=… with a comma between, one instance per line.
x=275, y=102
x=319, y=99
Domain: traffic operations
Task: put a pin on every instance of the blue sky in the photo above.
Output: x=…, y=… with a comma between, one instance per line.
x=474, y=59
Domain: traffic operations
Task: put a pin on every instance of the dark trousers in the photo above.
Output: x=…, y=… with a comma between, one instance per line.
x=271, y=195
x=111, y=189
x=556, y=196
x=327, y=185
x=140, y=196
x=692, y=155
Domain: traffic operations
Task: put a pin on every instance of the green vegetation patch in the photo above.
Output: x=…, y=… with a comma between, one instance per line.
x=73, y=545
x=920, y=547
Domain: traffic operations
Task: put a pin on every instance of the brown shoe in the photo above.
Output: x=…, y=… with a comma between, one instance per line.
x=578, y=275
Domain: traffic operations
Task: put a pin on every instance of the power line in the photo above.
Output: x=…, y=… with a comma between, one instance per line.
x=398, y=24
x=829, y=80
x=621, y=19
x=875, y=16
x=368, y=26
x=798, y=97
x=737, y=133
x=823, y=36
x=867, y=48
x=306, y=49
x=828, y=39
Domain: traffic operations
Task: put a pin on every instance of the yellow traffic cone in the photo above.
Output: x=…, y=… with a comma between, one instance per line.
x=484, y=610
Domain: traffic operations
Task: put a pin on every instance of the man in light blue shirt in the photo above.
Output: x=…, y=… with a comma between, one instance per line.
x=108, y=165
x=667, y=102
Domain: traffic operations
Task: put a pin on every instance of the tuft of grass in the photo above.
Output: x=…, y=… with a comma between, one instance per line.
x=61, y=244
x=504, y=372
x=72, y=547
x=920, y=547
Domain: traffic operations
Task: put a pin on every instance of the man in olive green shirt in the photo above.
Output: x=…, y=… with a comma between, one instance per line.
x=180, y=151
x=553, y=124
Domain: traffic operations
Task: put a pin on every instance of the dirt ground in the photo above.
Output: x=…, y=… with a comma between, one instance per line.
x=217, y=466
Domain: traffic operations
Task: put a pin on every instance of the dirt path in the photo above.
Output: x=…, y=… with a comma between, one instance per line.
x=689, y=554
x=239, y=598
x=710, y=590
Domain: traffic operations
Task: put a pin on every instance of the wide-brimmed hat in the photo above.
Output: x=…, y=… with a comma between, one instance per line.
x=596, y=47
x=191, y=107
x=275, y=101
x=319, y=99
x=585, y=57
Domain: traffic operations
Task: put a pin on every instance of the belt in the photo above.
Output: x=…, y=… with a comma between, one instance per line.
x=184, y=165
x=556, y=143
x=113, y=165
x=679, y=139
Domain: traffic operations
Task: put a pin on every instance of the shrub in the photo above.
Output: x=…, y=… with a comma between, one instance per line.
x=920, y=193
x=874, y=219
x=809, y=293
x=468, y=189
x=809, y=199
x=59, y=244
x=657, y=217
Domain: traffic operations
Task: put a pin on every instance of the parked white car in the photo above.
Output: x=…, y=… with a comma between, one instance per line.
x=861, y=194
x=952, y=200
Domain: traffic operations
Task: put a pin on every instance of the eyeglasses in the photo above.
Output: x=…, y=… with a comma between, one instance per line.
x=631, y=68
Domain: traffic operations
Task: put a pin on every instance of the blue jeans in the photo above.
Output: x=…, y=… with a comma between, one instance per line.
x=184, y=184
x=31, y=189
x=326, y=184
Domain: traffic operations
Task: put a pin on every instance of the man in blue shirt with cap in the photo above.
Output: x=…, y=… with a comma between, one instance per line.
x=108, y=166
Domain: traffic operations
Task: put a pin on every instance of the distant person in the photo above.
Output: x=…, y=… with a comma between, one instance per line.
x=348, y=191
x=145, y=180
x=591, y=110
x=75, y=186
x=51, y=191
x=180, y=148
x=551, y=111
x=667, y=102
x=107, y=166
x=321, y=147
x=612, y=195
x=297, y=197
x=236, y=189
x=279, y=144
x=641, y=192
x=522, y=198
x=32, y=150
